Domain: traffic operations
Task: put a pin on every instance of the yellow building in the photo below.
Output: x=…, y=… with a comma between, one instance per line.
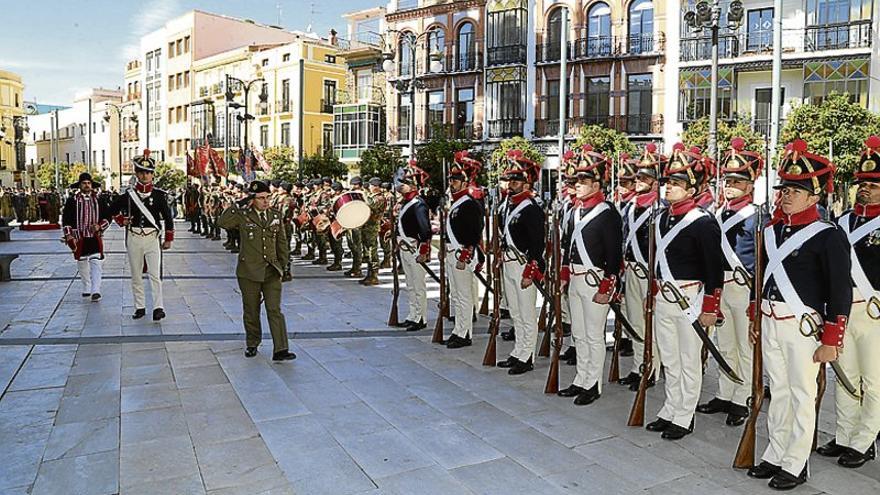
x=13, y=127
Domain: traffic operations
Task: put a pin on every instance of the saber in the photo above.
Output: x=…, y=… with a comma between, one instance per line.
x=701, y=332
x=594, y=281
x=841, y=375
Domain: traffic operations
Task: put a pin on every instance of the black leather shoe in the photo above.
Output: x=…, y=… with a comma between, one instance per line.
x=854, y=459
x=659, y=425
x=158, y=314
x=715, y=405
x=250, y=352
x=138, y=314
x=520, y=367
x=96, y=297
x=283, y=356
x=588, y=396
x=626, y=347
x=415, y=327
x=764, y=471
x=831, y=449
x=86, y=294
x=509, y=336
x=786, y=481
x=507, y=363
x=572, y=391
x=456, y=342
x=675, y=432
x=635, y=386
x=630, y=379
x=566, y=329
x=569, y=353
x=736, y=415
x=405, y=324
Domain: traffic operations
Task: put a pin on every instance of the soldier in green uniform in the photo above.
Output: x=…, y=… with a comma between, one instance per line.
x=386, y=238
x=283, y=207
x=335, y=243
x=264, y=249
x=320, y=200
x=370, y=231
x=355, y=241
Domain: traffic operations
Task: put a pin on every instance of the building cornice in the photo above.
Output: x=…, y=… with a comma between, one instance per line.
x=431, y=10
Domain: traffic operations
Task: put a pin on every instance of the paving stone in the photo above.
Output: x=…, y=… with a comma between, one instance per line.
x=265, y=406
x=245, y=463
x=96, y=474
x=187, y=485
x=210, y=397
x=452, y=446
x=147, y=375
x=107, y=363
x=385, y=453
x=199, y=376
x=220, y=425
x=189, y=359
x=294, y=435
x=534, y=450
x=426, y=481
x=143, y=397
x=47, y=370
x=351, y=420
x=152, y=424
x=641, y=468
x=145, y=357
x=76, y=439
x=410, y=414
x=326, y=470
x=87, y=407
x=592, y=479
x=502, y=477
x=156, y=460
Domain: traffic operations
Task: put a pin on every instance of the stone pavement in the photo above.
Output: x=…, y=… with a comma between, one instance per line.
x=95, y=403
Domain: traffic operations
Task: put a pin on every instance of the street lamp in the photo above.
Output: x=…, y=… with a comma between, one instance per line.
x=230, y=103
x=706, y=16
x=118, y=109
x=409, y=86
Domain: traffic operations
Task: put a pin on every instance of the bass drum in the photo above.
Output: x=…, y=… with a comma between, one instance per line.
x=351, y=210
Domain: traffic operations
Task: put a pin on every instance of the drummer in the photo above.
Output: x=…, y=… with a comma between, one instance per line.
x=335, y=242
x=355, y=242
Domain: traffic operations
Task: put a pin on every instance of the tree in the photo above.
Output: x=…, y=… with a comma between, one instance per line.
x=380, y=161
x=168, y=177
x=283, y=162
x=609, y=142
x=499, y=156
x=837, y=122
x=438, y=151
x=68, y=174
x=326, y=165
x=697, y=134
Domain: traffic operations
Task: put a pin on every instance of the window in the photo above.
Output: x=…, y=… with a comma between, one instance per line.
x=364, y=82
x=639, y=104
x=330, y=59
x=285, y=134
x=149, y=63
x=170, y=83
x=329, y=97
x=264, y=136
x=436, y=43
x=553, y=36
x=158, y=58
x=285, y=95
x=759, y=30
x=641, y=27
x=837, y=24
x=597, y=100
x=464, y=113
x=83, y=156
x=94, y=157
x=506, y=36
x=405, y=65
x=599, y=30
x=185, y=113
x=403, y=117
x=186, y=44
x=435, y=113
x=466, y=49
x=836, y=76
x=356, y=128
x=179, y=47
x=694, y=87
x=327, y=138
x=179, y=112
x=179, y=83
x=551, y=102
x=763, y=104
x=186, y=79
x=171, y=49
x=170, y=115
x=285, y=57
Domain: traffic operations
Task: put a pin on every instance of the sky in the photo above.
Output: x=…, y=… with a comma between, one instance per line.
x=62, y=47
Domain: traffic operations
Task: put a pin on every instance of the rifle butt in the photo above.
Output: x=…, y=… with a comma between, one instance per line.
x=745, y=452
x=820, y=385
x=437, y=338
x=490, y=356
x=542, y=319
x=637, y=413
x=393, y=317
x=544, y=351
x=552, y=385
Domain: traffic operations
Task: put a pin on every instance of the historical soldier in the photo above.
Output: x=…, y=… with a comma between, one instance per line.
x=84, y=222
x=737, y=220
x=524, y=265
x=704, y=197
x=689, y=266
x=191, y=203
x=637, y=221
x=264, y=251
x=568, y=196
x=859, y=422
x=143, y=210
x=590, y=267
x=414, y=234
x=386, y=230
x=355, y=239
x=624, y=193
x=370, y=231
x=807, y=288
x=464, y=229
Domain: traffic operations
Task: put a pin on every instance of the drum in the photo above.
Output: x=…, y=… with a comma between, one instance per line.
x=351, y=210
x=321, y=222
x=336, y=229
x=302, y=219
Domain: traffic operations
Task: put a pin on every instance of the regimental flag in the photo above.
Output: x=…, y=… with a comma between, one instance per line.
x=261, y=161
x=248, y=174
x=202, y=160
x=217, y=163
x=191, y=169
x=240, y=167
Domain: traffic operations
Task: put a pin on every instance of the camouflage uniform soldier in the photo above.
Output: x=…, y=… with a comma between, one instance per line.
x=322, y=196
x=370, y=231
x=335, y=243
x=355, y=239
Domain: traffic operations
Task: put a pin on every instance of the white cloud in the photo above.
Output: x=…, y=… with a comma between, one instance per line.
x=151, y=16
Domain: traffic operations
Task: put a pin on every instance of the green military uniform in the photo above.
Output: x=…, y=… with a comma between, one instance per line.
x=386, y=241
x=261, y=262
x=335, y=243
x=370, y=236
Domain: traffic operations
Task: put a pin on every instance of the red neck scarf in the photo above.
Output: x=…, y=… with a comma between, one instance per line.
x=868, y=211
x=682, y=207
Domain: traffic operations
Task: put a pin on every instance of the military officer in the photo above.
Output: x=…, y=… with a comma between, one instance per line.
x=355, y=240
x=264, y=251
x=859, y=422
x=737, y=219
x=590, y=265
x=464, y=229
x=688, y=265
x=370, y=231
x=414, y=234
x=524, y=265
x=636, y=216
x=807, y=288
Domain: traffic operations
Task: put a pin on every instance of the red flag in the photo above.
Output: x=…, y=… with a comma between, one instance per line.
x=217, y=162
x=202, y=160
x=261, y=161
x=190, y=166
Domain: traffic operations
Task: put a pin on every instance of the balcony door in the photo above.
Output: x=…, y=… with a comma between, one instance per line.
x=639, y=103
x=763, y=105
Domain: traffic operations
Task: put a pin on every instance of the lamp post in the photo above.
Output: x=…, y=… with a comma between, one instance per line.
x=118, y=109
x=409, y=86
x=706, y=16
x=230, y=103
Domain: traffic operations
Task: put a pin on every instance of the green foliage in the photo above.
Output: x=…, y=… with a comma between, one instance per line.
x=168, y=177
x=438, y=151
x=697, y=134
x=499, y=156
x=68, y=174
x=380, y=161
x=836, y=122
x=326, y=165
x=283, y=162
x=609, y=142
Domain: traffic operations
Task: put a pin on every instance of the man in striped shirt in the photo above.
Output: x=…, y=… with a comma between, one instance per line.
x=84, y=223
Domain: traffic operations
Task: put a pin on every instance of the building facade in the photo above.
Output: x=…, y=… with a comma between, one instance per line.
x=13, y=128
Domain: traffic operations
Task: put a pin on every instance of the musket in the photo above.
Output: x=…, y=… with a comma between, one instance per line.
x=637, y=413
x=442, y=305
x=614, y=368
x=552, y=385
x=545, y=320
x=484, y=307
x=489, y=357
x=393, y=319
x=745, y=451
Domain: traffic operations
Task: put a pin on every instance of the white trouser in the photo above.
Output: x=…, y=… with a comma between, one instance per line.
x=681, y=348
x=147, y=247
x=634, y=304
x=461, y=295
x=733, y=342
x=522, y=311
x=90, y=269
x=417, y=296
x=788, y=363
x=857, y=425
x=587, y=329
